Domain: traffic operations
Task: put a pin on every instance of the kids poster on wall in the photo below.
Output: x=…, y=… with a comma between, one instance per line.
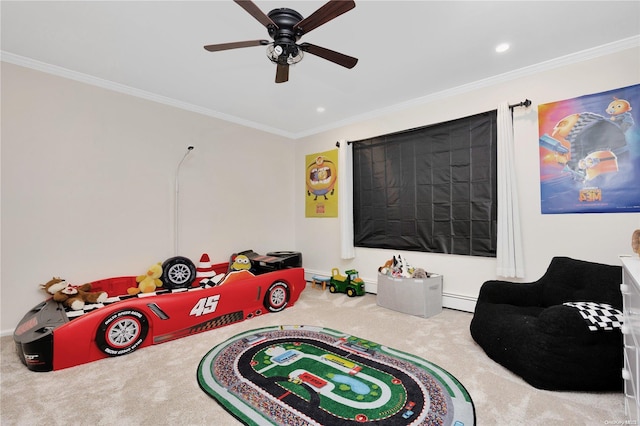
x=321, y=175
x=590, y=153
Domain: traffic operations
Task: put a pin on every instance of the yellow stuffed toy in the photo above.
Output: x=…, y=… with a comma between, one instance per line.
x=147, y=283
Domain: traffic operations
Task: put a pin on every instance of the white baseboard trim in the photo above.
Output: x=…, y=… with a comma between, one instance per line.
x=449, y=300
x=459, y=302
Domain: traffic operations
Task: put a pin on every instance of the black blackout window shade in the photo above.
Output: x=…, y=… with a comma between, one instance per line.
x=429, y=189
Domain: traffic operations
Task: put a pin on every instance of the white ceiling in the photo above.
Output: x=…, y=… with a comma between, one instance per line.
x=407, y=50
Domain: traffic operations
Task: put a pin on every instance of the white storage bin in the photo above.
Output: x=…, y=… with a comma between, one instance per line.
x=420, y=297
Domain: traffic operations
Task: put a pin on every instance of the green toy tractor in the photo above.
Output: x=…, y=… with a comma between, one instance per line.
x=351, y=284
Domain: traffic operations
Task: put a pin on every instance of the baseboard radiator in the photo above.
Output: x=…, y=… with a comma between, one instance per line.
x=449, y=300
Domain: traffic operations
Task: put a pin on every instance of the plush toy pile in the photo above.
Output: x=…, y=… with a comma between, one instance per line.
x=73, y=297
x=398, y=267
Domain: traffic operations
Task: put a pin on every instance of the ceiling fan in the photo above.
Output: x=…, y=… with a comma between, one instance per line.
x=285, y=27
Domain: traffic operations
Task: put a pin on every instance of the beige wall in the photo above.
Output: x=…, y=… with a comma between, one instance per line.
x=594, y=237
x=88, y=186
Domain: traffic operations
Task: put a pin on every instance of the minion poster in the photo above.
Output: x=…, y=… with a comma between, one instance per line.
x=321, y=175
x=590, y=153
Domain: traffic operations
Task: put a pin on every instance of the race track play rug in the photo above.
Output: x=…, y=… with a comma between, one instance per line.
x=301, y=375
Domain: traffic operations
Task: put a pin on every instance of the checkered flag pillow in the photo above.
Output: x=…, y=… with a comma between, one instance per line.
x=599, y=316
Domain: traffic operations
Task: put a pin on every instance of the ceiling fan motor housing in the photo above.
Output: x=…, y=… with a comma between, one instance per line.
x=285, y=36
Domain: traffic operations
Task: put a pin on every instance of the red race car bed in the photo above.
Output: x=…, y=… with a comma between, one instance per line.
x=52, y=337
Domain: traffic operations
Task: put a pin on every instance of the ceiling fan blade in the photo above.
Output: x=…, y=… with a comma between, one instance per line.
x=282, y=73
x=329, y=11
x=256, y=12
x=330, y=55
x=235, y=45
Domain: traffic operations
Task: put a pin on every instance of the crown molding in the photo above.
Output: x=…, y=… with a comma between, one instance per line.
x=581, y=56
x=128, y=90
x=584, y=55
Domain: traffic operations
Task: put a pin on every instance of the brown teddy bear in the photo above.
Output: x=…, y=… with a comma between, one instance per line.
x=73, y=297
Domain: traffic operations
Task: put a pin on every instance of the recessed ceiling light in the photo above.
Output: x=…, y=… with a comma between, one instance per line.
x=502, y=47
x=320, y=109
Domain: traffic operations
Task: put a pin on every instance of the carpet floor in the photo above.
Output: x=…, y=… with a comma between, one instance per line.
x=158, y=386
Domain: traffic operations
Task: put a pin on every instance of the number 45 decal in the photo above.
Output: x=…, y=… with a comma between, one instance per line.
x=206, y=305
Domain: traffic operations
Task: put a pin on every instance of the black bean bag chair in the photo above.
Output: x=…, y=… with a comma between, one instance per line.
x=526, y=327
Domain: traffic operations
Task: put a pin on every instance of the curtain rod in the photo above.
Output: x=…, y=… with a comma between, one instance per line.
x=526, y=103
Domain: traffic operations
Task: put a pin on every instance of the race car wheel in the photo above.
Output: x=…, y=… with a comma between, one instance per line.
x=178, y=272
x=122, y=332
x=277, y=297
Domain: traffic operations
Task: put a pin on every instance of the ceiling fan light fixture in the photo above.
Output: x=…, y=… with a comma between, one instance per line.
x=284, y=54
x=295, y=59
